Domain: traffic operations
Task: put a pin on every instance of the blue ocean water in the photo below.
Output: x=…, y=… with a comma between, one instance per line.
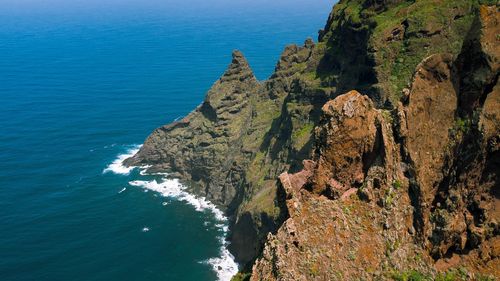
x=82, y=82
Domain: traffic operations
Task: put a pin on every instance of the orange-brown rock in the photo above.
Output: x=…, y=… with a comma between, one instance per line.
x=350, y=140
x=426, y=178
x=342, y=237
x=449, y=130
x=429, y=114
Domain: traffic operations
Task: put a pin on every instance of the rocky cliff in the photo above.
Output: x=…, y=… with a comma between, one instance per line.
x=397, y=106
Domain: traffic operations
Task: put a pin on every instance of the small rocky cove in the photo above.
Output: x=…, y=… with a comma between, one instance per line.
x=371, y=154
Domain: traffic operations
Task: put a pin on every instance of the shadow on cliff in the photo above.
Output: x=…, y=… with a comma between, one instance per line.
x=348, y=64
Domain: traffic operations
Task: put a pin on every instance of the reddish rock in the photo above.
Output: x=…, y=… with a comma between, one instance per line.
x=348, y=137
x=428, y=185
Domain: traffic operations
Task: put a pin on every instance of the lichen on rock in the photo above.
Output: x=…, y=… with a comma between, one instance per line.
x=427, y=185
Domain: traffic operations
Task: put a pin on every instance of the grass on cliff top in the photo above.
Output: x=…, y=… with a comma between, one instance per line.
x=427, y=27
x=430, y=29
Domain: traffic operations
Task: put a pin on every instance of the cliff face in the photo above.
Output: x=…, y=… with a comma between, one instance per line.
x=378, y=200
x=402, y=176
x=207, y=147
x=234, y=145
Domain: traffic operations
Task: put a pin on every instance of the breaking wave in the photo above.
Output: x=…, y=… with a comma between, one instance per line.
x=117, y=166
x=173, y=188
x=224, y=266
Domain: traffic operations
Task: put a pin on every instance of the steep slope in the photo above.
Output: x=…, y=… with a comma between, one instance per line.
x=233, y=147
x=206, y=147
x=235, y=144
x=417, y=198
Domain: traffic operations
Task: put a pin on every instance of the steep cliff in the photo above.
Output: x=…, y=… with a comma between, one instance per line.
x=234, y=145
x=401, y=177
x=402, y=194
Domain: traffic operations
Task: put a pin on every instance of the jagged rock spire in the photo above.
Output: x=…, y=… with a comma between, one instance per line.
x=238, y=69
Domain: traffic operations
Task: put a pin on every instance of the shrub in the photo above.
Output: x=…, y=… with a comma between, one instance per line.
x=397, y=184
x=411, y=275
x=240, y=276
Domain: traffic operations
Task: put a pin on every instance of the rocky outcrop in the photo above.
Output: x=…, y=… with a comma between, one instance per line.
x=374, y=46
x=429, y=115
x=453, y=180
x=396, y=105
x=344, y=222
x=349, y=140
x=205, y=148
x=376, y=196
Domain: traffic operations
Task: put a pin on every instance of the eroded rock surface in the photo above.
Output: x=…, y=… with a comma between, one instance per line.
x=205, y=147
x=404, y=169
x=421, y=194
x=344, y=220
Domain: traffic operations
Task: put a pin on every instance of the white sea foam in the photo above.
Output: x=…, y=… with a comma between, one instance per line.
x=144, y=170
x=117, y=166
x=123, y=189
x=224, y=265
x=173, y=188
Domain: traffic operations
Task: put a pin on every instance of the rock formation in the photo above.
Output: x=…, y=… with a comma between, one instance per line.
x=422, y=195
x=397, y=108
x=206, y=147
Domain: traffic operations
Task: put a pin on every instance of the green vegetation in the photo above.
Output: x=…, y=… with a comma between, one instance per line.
x=462, y=125
x=347, y=209
x=258, y=169
x=352, y=256
x=425, y=26
x=390, y=195
x=481, y=277
x=302, y=135
x=403, y=35
x=314, y=270
x=353, y=10
x=411, y=275
x=397, y=184
x=240, y=276
x=488, y=2
x=311, y=76
x=387, y=115
x=264, y=200
x=390, y=247
x=453, y=274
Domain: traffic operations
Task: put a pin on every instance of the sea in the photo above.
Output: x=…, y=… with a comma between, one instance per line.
x=82, y=84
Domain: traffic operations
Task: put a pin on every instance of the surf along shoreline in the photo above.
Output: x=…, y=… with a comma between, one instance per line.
x=224, y=265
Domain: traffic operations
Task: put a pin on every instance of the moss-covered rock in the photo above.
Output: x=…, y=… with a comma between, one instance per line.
x=375, y=46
